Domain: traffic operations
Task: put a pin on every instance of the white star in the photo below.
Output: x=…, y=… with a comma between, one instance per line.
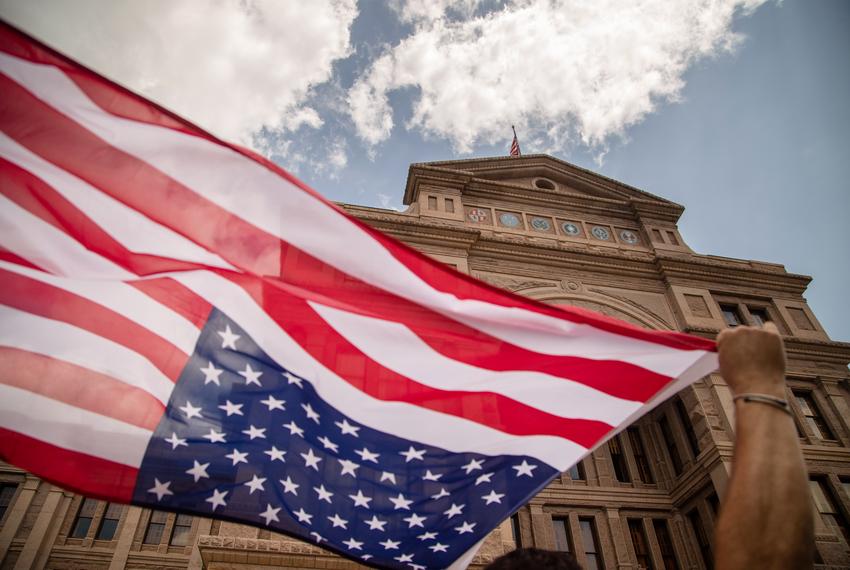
x=211, y=374
x=390, y=544
x=360, y=500
x=228, y=338
x=311, y=460
x=230, y=408
x=366, y=455
x=176, y=441
x=217, y=499
x=273, y=403
x=414, y=520
x=366, y=557
x=412, y=454
x=270, y=514
x=353, y=544
x=347, y=428
x=404, y=558
x=493, y=497
x=524, y=468
x=400, y=502
x=294, y=429
x=454, y=510
x=276, y=453
x=427, y=536
x=439, y=547
x=484, y=478
x=324, y=494
x=319, y=538
x=376, y=524
x=311, y=413
x=215, y=436
x=328, y=444
x=348, y=467
x=160, y=489
x=302, y=516
x=237, y=456
x=474, y=464
x=190, y=410
x=338, y=522
x=431, y=476
x=387, y=476
x=254, y=432
x=256, y=483
x=292, y=379
x=199, y=471
x=251, y=376
x=465, y=527
x=289, y=486
x=441, y=494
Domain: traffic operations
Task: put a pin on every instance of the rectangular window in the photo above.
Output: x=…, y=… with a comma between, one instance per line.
x=432, y=202
x=618, y=459
x=644, y=473
x=82, y=523
x=109, y=522
x=182, y=530
x=668, y=554
x=656, y=236
x=759, y=315
x=561, y=526
x=577, y=472
x=450, y=205
x=731, y=315
x=515, y=530
x=702, y=538
x=670, y=444
x=7, y=491
x=812, y=415
x=672, y=237
x=156, y=527
x=685, y=419
x=845, y=483
x=640, y=544
x=826, y=506
x=590, y=543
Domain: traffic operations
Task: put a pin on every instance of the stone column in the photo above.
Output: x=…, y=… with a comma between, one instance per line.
x=618, y=539
x=125, y=539
x=195, y=561
x=541, y=528
x=15, y=515
x=37, y=539
x=832, y=390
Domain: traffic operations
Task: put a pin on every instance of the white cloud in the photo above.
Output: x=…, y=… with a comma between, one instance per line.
x=231, y=67
x=555, y=68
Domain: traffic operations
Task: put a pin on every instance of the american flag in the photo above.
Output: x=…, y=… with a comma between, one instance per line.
x=515, y=144
x=188, y=327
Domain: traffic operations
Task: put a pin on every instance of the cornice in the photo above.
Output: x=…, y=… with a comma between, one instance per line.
x=716, y=273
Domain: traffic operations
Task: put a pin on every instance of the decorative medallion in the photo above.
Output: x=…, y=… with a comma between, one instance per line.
x=628, y=237
x=570, y=229
x=540, y=224
x=600, y=233
x=509, y=220
x=476, y=215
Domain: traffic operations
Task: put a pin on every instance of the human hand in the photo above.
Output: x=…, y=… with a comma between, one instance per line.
x=752, y=360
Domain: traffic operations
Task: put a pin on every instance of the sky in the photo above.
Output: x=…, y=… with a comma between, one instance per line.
x=737, y=109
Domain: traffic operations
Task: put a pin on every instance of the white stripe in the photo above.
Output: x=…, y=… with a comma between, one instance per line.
x=278, y=207
x=399, y=418
x=68, y=343
x=72, y=428
x=127, y=226
x=396, y=347
x=124, y=300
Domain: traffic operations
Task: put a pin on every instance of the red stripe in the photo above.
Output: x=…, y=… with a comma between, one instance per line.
x=79, y=387
x=38, y=298
x=176, y=297
x=11, y=257
x=77, y=472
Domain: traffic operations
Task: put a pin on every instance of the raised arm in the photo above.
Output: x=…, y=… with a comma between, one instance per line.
x=766, y=519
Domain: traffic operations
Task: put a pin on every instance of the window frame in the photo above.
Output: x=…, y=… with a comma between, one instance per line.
x=642, y=463
x=619, y=462
x=11, y=497
x=88, y=504
x=149, y=525
x=590, y=521
x=564, y=522
x=186, y=529
x=636, y=529
x=104, y=518
x=809, y=394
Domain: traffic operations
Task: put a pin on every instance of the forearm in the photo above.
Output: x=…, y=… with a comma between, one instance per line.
x=767, y=496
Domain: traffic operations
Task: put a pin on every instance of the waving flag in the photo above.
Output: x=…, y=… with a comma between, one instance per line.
x=515, y=144
x=186, y=326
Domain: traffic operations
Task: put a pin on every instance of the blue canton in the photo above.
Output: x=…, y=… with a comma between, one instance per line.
x=245, y=439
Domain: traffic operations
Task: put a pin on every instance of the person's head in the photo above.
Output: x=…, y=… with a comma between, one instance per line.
x=525, y=558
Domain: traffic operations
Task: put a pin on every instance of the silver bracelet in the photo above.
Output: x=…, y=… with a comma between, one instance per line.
x=765, y=399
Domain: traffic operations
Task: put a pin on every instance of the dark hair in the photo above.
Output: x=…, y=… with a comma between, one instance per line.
x=527, y=558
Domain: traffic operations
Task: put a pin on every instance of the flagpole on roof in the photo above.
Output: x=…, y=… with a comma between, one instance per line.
x=515, y=144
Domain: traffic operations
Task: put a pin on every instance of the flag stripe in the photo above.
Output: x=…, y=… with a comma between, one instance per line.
x=183, y=302
x=398, y=349
x=71, y=470
x=79, y=387
x=63, y=341
x=72, y=428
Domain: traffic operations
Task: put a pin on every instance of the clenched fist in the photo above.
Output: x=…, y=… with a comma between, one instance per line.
x=752, y=360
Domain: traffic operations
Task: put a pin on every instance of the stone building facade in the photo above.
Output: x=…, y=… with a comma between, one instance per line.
x=549, y=230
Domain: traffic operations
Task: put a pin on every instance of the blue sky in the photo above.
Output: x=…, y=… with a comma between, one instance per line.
x=737, y=109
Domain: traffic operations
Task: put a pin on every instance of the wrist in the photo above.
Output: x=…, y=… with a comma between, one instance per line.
x=774, y=386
